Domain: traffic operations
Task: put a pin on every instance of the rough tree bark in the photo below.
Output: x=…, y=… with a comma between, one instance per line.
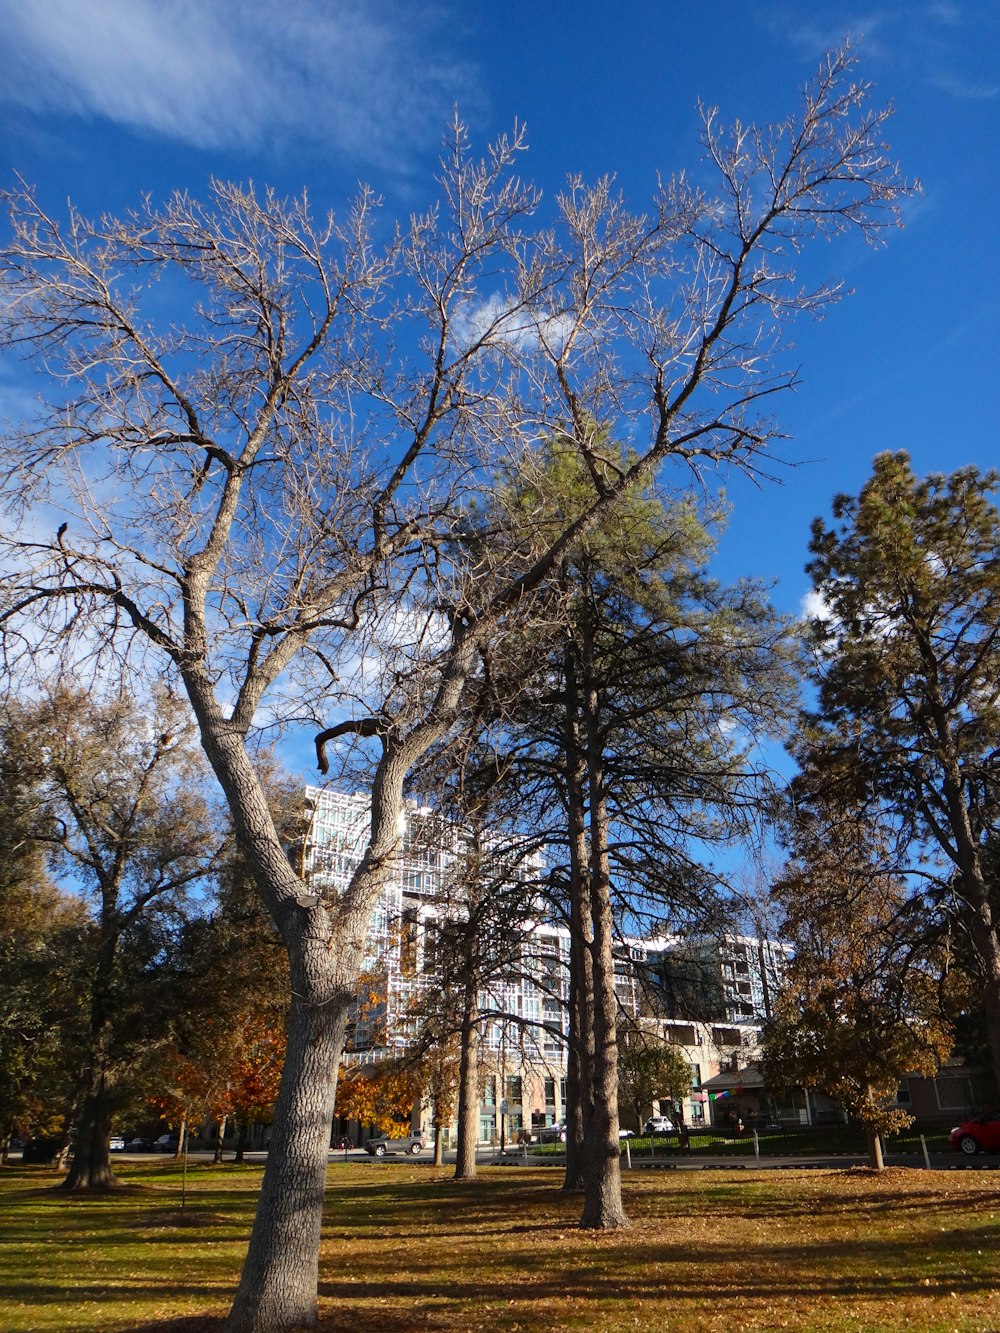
x=90, y=1168
x=603, y=1207
x=579, y=1110
x=468, y=1086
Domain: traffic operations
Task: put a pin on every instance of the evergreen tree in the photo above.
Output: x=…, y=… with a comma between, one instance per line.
x=907, y=724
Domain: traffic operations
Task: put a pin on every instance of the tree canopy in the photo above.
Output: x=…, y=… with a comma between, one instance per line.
x=907, y=723
x=245, y=486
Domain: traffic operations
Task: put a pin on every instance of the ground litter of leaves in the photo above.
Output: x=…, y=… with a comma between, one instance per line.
x=408, y=1250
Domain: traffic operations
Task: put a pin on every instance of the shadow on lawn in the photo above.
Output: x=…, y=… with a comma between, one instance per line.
x=344, y=1320
x=595, y=1268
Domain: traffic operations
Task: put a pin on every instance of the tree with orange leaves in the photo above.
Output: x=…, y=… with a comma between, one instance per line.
x=380, y=1095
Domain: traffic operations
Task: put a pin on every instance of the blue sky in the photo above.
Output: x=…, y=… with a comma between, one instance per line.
x=103, y=100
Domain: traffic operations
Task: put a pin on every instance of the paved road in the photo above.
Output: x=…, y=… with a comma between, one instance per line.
x=700, y=1162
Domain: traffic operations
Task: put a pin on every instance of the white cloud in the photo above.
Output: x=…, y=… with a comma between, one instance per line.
x=504, y=322
x=815, y=607
x=368, y=80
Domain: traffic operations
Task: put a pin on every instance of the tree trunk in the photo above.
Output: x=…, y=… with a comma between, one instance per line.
x=279, y=1285
x=241, y=1142
x=276, y=1295
x=90, y=1168
x=579, y=1107
x=578, y=1112
x=603, y=1208
x=439, y=1145
x=875, y=1149
x=965, y=850
x=468, y=1087
x=219, y=1136
x=986, y=946
x=278, y=1288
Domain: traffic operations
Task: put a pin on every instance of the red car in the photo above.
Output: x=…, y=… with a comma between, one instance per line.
x=980, y=1134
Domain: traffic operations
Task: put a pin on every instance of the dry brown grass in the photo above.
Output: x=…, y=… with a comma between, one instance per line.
x=408, y=1250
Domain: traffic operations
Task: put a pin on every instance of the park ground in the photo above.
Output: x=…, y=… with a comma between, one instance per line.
x=408, y=1250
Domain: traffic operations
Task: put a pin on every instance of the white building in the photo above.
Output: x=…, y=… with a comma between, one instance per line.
x=706, y=995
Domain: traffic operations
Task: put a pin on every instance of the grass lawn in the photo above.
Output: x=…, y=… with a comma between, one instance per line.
x=405, y=1248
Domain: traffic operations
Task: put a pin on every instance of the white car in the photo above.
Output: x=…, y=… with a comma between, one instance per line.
x=658, y=1124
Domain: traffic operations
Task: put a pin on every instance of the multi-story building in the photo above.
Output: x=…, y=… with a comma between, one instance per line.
x=727, y=977
x=708, y=996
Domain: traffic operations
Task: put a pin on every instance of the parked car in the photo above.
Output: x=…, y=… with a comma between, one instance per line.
x=412, y=1144
x=626, y=1133
x=116, y=1143
x=552, y=1133
x=658, y=1124
x=980, y=1134
x=139, y=1144
x=166, y=1143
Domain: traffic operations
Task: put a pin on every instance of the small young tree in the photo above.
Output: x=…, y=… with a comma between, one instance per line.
x=438, y=1075
x=650, y=1071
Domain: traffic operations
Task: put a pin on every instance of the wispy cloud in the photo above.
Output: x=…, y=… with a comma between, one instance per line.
x=964, y=89
x=943, y=11
x=371, y=81
x=813, y=37
x=935, y=41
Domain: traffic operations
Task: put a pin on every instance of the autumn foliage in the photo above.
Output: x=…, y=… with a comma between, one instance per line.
x=378, y=1095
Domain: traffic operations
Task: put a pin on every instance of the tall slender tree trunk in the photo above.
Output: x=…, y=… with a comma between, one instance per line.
x=965, y=850
x=468, y=1085
x=986, y=945
x=579, y=1109
x=603, y=1208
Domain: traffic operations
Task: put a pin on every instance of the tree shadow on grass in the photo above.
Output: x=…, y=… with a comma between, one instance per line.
x=344, y=1320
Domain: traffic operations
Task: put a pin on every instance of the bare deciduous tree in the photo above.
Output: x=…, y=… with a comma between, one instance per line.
x=262, y=431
